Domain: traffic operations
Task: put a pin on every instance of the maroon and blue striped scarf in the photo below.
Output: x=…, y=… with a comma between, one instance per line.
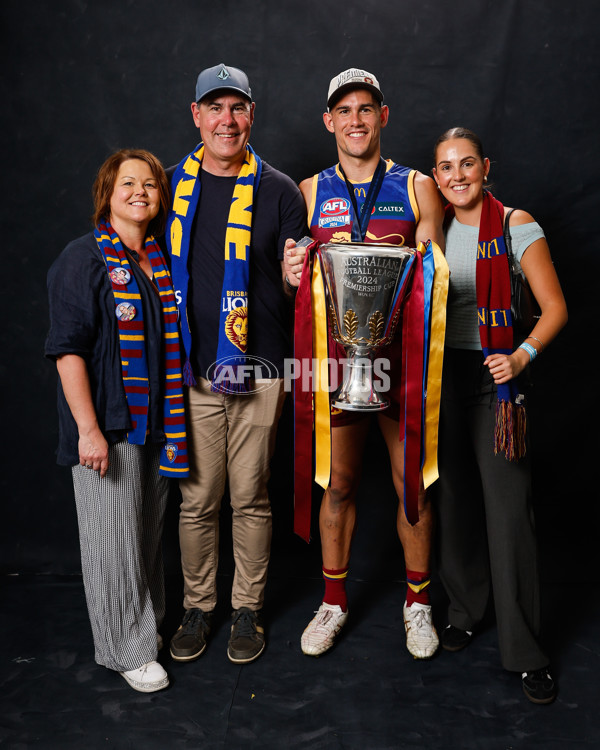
x=174, y=455
x=495, y=322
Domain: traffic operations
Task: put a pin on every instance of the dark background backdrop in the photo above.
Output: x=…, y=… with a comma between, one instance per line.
x=81, y=79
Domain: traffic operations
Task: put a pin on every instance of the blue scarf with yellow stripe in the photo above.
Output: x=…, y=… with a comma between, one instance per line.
x=228, y=375
x=130, y=315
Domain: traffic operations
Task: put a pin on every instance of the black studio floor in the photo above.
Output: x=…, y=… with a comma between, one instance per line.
x=366, y=693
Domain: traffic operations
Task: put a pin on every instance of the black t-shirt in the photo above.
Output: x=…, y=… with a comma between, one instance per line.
x=278, y=214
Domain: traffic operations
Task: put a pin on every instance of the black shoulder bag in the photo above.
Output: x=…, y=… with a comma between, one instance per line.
x=524, y=308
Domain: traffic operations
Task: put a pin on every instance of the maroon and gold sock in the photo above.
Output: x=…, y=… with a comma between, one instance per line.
x=335, y=587
x=418, y=587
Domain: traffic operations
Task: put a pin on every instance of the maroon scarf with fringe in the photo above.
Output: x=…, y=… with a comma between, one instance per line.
x=495, y=322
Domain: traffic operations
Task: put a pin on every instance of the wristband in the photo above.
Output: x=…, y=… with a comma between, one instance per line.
x=539, y=342
x=290, y=286
x=531, y=350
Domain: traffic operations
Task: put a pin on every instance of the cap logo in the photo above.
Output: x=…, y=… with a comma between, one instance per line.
x=223, y=74
x=368, y=80
x=348, y=75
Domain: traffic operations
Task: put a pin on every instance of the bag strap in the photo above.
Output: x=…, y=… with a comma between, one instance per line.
x=508, y=241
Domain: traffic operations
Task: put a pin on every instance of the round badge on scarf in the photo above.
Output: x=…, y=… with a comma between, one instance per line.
x=120, y=276
x=125, y=311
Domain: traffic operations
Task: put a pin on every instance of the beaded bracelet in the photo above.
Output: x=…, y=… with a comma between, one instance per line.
x=531, y=350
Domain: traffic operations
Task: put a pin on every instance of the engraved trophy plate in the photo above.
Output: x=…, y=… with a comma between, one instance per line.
x=361, y=280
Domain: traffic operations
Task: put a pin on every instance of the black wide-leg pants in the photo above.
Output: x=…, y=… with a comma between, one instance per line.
x=485, y=526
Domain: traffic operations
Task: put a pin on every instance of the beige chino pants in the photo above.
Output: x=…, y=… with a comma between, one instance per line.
x=230, y=437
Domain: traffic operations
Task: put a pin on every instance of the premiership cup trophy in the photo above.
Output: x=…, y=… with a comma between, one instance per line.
x=361, y=282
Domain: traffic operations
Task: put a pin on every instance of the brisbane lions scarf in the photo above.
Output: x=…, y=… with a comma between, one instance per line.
x=228, y=375
x=492, y=274
x=130, y=315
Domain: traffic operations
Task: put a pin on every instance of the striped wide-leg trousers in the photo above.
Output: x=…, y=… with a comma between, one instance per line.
x=120, y=520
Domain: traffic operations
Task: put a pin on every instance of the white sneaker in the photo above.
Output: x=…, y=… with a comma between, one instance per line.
x=421, y=637
x=148, y=678
x=321, y=631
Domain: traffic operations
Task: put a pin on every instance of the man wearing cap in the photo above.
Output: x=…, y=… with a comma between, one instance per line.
x=394, y=205
x=231, y=215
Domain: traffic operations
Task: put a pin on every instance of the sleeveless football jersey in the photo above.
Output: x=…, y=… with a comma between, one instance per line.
x=393, y=217
x=393, y=221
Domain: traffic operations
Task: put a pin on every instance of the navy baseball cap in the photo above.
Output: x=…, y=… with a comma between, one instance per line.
x=222, y=77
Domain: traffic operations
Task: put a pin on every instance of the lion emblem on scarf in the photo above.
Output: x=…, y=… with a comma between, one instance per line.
x=236, y=327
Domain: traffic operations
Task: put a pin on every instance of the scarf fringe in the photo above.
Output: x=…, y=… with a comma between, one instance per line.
x=509, y=433
x=188, y=374
x=221, y=381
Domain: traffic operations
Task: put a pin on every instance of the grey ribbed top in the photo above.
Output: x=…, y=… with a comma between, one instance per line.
x=462, y=331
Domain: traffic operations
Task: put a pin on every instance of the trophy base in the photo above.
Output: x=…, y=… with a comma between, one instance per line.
x=364, y=406
x=358, y=391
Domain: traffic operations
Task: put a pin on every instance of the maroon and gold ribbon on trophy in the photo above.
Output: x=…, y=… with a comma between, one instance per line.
x=421, y=376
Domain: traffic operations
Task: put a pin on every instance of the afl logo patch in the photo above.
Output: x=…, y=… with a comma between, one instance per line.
x=334, y=212
x=335, y=207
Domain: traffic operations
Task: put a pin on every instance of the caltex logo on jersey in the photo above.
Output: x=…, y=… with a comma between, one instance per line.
x=334, y=212
x=388, y=209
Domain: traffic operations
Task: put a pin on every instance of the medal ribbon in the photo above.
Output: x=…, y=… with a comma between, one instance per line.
x=362, y=217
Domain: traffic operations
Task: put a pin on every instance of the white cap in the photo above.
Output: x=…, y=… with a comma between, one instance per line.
x=353, y=78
